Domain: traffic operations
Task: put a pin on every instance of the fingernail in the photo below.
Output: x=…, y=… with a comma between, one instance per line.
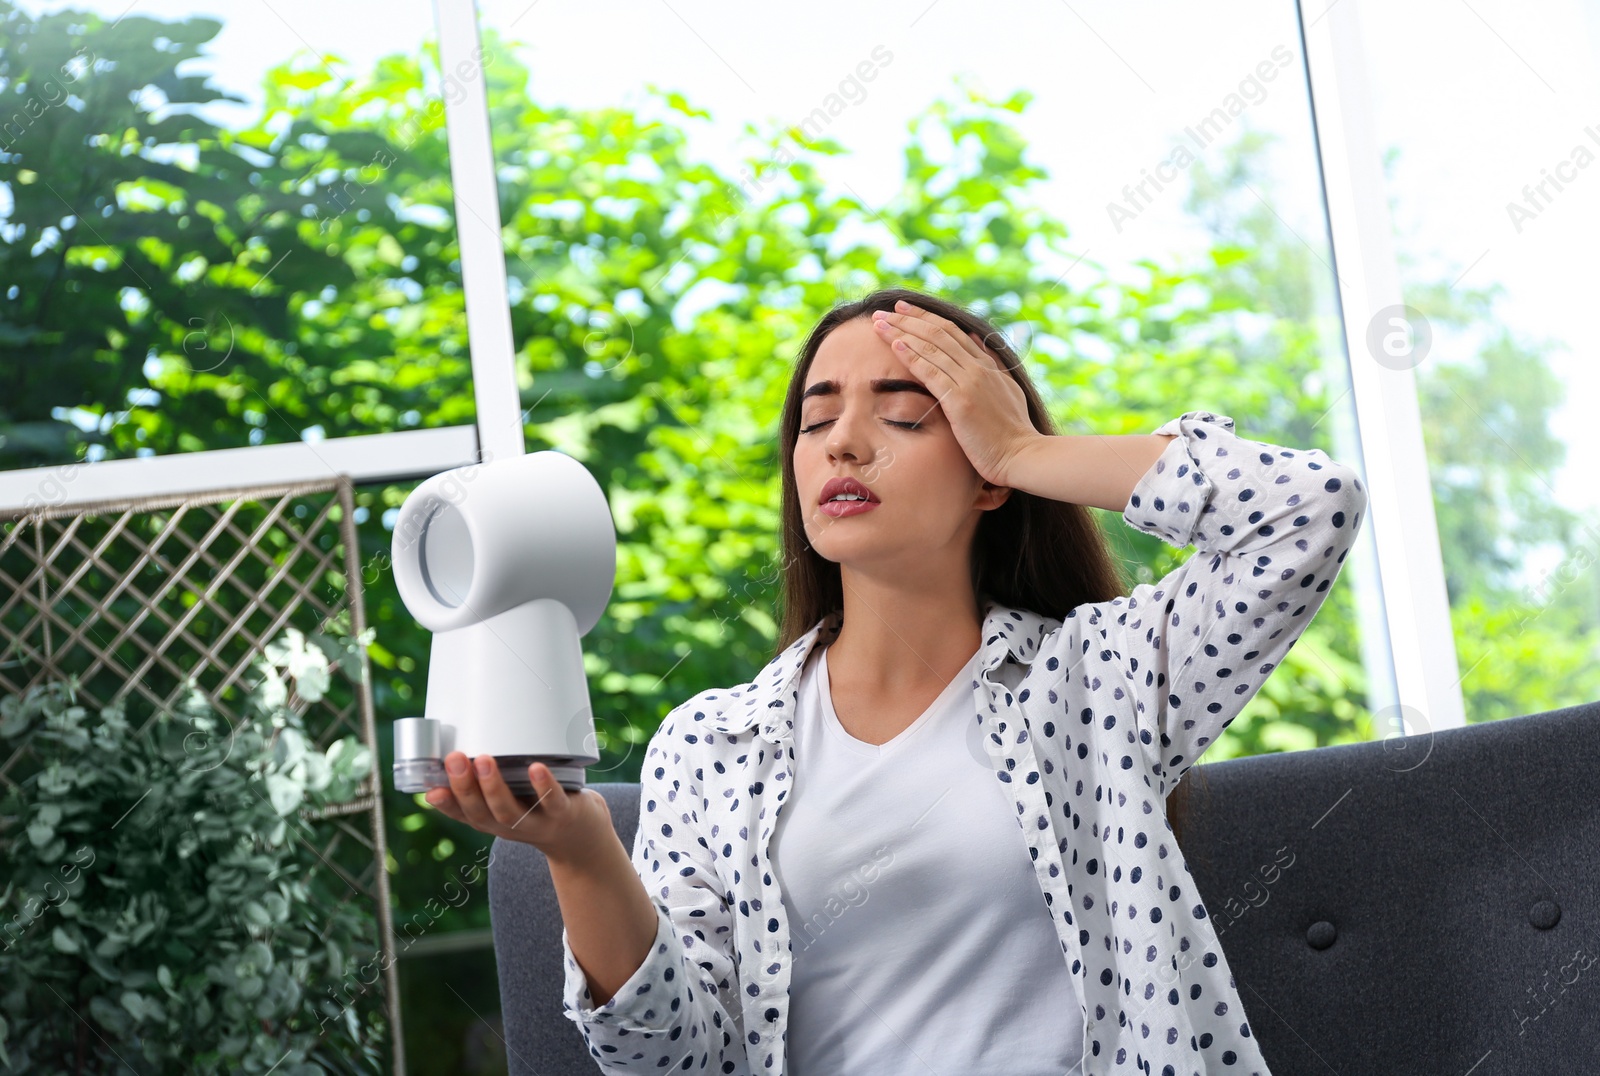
x=901, y=304
x=456, y=764
x=485, y=764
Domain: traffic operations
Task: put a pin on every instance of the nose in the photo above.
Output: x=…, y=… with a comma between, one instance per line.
x=850, y=436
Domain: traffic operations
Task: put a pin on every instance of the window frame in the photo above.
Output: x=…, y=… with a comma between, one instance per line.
x=1422, y=691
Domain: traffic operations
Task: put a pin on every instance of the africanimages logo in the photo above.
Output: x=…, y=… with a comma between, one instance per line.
x=1204, y=132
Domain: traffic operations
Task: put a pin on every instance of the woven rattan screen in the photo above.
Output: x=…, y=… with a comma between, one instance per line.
x=141, y=599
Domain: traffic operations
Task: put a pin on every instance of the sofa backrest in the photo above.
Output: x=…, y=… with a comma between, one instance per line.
x=1440, y=904
x=1420, y=904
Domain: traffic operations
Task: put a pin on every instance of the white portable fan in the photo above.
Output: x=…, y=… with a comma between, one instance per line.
x=509, y=564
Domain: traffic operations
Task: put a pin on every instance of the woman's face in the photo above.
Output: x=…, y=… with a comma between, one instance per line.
x=927, y=497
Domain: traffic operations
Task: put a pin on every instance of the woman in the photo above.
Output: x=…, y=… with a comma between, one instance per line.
x=956, y=664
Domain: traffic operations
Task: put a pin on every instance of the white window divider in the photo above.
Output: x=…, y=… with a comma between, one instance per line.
x=366, y=458
x=478, y=232
x=1415, y=603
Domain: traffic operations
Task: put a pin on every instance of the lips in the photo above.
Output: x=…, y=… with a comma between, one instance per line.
x=835, y=486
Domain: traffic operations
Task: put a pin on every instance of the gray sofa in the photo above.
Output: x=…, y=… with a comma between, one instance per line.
x=1426, y=904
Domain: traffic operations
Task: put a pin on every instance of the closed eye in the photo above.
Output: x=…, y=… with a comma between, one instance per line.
x=890, y=421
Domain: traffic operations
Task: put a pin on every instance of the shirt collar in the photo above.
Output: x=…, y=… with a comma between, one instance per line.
x=772, y=698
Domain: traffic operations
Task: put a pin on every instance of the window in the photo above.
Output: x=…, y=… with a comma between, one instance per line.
x=1131, y=194
x=1492, y=170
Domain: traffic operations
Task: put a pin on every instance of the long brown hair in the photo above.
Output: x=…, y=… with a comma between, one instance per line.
x=1030, y=553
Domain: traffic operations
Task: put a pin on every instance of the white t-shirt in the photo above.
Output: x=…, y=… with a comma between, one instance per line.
x=921, y=941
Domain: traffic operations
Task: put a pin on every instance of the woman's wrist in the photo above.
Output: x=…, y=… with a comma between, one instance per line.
x=1097, y=470
x=1019, y=462
x=590, y=855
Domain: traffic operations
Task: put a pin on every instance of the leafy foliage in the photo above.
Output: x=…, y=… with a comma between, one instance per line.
x=165, y=903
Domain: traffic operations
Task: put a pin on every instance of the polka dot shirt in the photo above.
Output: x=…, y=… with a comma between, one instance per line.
x=1089, y=719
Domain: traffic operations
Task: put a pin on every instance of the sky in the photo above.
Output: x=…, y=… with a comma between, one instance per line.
x=1479, y=99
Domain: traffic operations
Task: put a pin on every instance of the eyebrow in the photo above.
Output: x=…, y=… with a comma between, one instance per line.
x=877, y=385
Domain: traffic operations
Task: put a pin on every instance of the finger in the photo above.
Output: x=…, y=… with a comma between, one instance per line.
x=938, y=348
x=939, y=331
x=906, y=333
x=933, y=366
x=551, y=797
x=465, y=786
x=548, y=799
x=444, y=801
x=502, y=802
x=990, y=353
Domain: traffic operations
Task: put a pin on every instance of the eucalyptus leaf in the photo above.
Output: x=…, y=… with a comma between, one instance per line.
x=273, y=692
x=289, y=749
x=134, y=1002
x=259, y=956
x=284, y=793
x=14, y=718
x=313, y=681
x=106, y=1013
x=276, y=906
x=57, y=779
x=111, y=946
x=317, y=773
x=108, y=972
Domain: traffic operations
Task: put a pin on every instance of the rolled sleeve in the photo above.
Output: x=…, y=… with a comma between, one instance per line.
x=1272, y=492
x=640, y=1003
x=1171, y=496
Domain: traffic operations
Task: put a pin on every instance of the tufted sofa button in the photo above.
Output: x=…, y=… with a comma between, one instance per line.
x=1544, y=914
x=1321, y=935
